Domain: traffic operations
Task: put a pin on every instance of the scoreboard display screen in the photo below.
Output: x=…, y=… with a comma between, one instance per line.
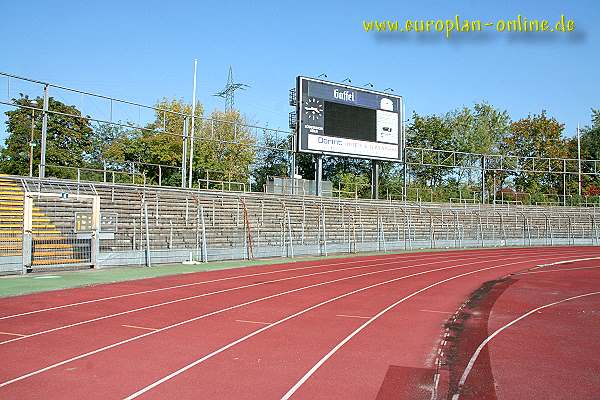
x=337, y=119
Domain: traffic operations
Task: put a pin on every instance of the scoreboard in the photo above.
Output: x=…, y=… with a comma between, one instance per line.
x=337, y=119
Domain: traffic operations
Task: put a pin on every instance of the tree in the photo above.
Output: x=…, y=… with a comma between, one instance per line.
x=160, y=142
x=68, y=140
x=536, y=136
x=429, y=132
x=480, y=130
x=272, y=159
x=590, y=150
x=225, y=148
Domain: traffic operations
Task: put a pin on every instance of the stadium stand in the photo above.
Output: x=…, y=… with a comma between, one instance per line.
x=204, y=225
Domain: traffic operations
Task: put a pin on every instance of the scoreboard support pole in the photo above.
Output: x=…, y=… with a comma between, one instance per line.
x=318, y=174
x=374, y=179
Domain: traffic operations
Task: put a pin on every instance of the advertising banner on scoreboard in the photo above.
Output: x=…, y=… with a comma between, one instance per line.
x=337, y=119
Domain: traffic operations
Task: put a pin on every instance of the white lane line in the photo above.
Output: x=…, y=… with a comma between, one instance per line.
x=140, y=327
x=301, y=381
x=252, y=322
x=402, y=257
x=439, y=312
x=177, y=287
x=568, y=261
x=209, y=294
x=352, y=316
x=467, y=370
x=12, y=334
x=555, y=270
x=244, y=338
x=222, y=310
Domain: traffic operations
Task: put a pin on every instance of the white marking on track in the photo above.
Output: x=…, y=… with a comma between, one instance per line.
x=252, y=322
x=401, y=258
x=351, y=316
x=12, y=334
x=439, y=312
x=306, y=376
x=140, y=327
x=229, y=290
x=113, y=345
x=244, y=338
x=555, y=270
x=473, y=359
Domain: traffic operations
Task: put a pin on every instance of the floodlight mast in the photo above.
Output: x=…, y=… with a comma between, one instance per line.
x=579, y=159
x=190, y=181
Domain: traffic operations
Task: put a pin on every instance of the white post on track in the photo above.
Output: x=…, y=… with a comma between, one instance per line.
x=190, y=181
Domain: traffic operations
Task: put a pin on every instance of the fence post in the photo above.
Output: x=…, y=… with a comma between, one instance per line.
x=481, y=230
x=431, y=233
x=546, y=230
x=78, y=179
x=324, y=232
x=291, y=241
x=27, y=234
x=523, y=233
x=95, y=241
x=147, y=250
x=571, y=238
x=204, y=243
x=456, y=229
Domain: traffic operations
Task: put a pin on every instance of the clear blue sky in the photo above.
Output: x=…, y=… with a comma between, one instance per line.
x=142, y=51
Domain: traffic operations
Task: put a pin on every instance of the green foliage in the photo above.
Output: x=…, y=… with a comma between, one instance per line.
x=430, y=132
x=270, y=160
x=226, y=145
x=351, y=185
x=479, y=130
x=69, y=140
x=536, y=136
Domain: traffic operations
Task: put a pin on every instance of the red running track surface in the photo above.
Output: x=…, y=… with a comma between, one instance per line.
x=547, y=342
x=358, y=328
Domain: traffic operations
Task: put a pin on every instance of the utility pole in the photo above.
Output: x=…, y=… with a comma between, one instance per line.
x=579, y=158
x=31, y=144
x=190, y=181
x=44, y=133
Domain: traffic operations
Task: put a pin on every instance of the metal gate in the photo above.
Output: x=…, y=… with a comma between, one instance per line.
x=60, y=231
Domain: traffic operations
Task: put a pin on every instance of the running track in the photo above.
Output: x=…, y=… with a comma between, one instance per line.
x=358, y=328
